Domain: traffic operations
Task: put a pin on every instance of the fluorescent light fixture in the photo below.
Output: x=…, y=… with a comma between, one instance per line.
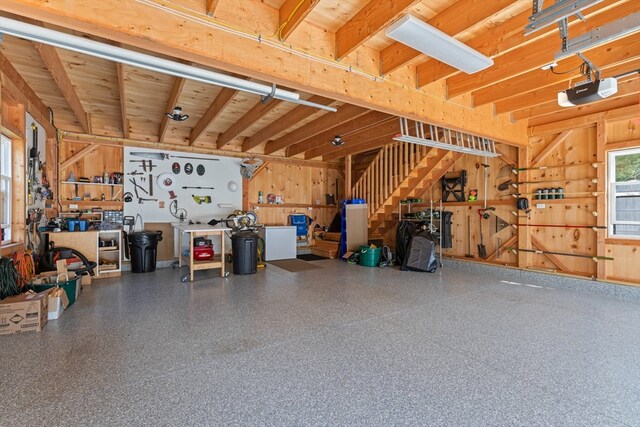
x=421, y=36
x=142, y=60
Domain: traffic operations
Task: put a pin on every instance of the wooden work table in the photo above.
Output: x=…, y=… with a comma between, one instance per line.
x=199, y=230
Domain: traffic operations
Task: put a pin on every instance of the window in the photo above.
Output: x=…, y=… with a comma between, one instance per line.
x=624, y=197
x=5, y=188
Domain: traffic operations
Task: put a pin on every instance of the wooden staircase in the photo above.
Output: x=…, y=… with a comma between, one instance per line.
x=399, y=171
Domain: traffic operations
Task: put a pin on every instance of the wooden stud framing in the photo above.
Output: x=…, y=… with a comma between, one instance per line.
x=367, y=23
x=601, y=201
x=554, y=258
x=585, y=121
x=78, y=155
x=253, y=115
x=551, y=147
x=176, y=90
x=292, y=13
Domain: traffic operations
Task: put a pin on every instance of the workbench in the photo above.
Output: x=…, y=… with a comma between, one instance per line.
x=199, y=230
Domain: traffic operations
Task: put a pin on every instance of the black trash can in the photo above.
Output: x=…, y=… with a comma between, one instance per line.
x=245, y=252
x=143, y=250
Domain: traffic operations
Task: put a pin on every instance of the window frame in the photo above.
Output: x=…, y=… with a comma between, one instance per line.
x=6, y=223
x=612, y=194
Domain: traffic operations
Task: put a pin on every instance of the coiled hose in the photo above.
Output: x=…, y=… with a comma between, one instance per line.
x=8, y=278
x=23, y=262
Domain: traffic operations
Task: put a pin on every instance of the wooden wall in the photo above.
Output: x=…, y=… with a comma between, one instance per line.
x=302, y=188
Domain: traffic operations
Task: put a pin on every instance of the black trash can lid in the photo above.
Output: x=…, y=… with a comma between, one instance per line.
x=139, y=236
x=244, y=234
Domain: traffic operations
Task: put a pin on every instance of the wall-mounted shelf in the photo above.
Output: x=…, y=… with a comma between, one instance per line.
x=292, y=205
x=91, y=183
x=97, y=203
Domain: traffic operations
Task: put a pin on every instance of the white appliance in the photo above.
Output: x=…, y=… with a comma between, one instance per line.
x=279, y=242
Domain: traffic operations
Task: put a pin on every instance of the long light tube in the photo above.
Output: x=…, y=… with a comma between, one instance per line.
x=145, y=61
x=421, y=36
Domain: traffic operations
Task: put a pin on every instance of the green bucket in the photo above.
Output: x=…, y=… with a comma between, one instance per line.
x=70, y=287
x=370, y=257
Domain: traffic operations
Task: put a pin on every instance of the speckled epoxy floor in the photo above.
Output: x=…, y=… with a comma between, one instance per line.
x=344, y=345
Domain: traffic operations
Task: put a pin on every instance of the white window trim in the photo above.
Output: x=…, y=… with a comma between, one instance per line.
x=6, y=222
x=612, y=193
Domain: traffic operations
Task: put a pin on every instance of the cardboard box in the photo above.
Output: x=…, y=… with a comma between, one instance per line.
x=24, y=313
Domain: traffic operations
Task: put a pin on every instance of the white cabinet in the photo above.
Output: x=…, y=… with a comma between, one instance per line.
x=279, y=243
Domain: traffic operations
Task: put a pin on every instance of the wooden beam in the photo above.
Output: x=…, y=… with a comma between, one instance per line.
x=285, y=122
x=505, y=157
x=490, y=43
x=601, y=201
x=56, y=68
x=123, y=100
x=553, y=258
x=533, y=55
x=79, y=155
x=590, y=120
x=330, y=120
x=626, y=89
x=17, y=86
x=211, y=6
x=386, y=129
x=347, y=176
x=372, y=18
x=350, y=128
x=190, y=40
x=292, y=13
x=452, y=21
x=215, y=109
x=632, y=143
x=258, y=111
x=551, y=147
x=583, y=110
x=620, y=51
x=340, y=152
x=176, y=90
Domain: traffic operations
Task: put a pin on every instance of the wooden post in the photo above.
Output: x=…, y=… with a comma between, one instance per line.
x=347, y=177
x=524, y=238
x=601, y=204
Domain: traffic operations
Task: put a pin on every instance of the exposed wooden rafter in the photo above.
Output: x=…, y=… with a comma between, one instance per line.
x=330, y=120
x=366, y=121
x=176, y=90
x=285, y=122
x=372, y=18
x=211, y=6
x=56, y=68
x=355, y=142
x=123, y=100
x=215, y=109
x=453, y=20
x=550, y=147
x=253, y=115
x=292, y=13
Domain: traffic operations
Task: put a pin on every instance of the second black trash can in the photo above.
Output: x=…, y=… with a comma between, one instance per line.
x=143, y=250
x=244, y=246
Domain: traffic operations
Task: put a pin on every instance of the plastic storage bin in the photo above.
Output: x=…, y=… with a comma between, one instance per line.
x=370, y=257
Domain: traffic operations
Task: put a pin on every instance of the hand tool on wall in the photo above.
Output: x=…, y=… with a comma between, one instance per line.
x=500, y=224
x=515, y=170
x=593, y=227
x=198, y=188
x=482, y=250
x=141, y=200
x=201, y=199
x=536, y=251
x=175, y=168
x=150, y=184
x=165, y=156
x=136, y=186
x=515, y=184
x=145, y=164
x=469, y=254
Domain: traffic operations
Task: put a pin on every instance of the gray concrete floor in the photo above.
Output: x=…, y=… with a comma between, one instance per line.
x=342, y=345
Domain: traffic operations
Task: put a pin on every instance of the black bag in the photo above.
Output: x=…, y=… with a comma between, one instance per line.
x=421, y=255
x=404, y=232
x=522, y=203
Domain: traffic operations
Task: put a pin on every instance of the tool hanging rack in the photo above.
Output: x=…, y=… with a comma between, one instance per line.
x=446, y=139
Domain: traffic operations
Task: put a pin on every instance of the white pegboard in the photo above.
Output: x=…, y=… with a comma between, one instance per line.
x=222, y=174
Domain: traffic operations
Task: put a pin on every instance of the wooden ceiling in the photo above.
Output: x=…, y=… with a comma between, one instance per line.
x=95, y=96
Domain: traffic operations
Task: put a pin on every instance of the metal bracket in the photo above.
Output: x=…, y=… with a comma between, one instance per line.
x=266, y=99
x=558, y=11
x=591, y=67
x=563, y=26
x=600, y=35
